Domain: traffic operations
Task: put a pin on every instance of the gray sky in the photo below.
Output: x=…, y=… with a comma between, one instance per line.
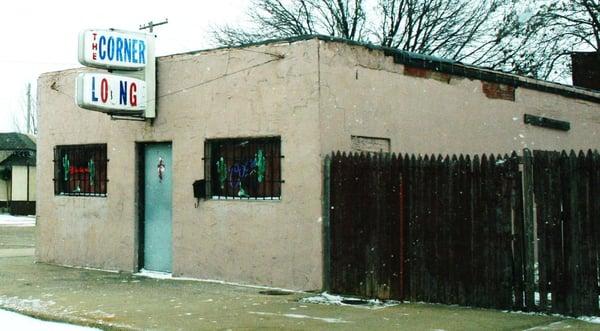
x=41, y=36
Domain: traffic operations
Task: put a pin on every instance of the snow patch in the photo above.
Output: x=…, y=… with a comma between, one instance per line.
x=36, y=306
x=30, y=304
x=10, y=220
x=87, y=268
x=162, y=275
x=154, y=274
x=101, y=314
x=590, y=319
x=330, y=299
x=15, y=321
x=324, y=319
x=559, y=325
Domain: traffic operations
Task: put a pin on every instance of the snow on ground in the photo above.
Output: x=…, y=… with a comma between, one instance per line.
x=19, y=304
x=37, y=306
x=330, y=299
x=10, y=220
x=166, y=275
x=13, y=321
x=590, y=319
x=154, y=274
x=324, y=319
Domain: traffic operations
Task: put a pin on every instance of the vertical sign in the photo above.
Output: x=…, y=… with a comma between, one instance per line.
x=106, y=93
x=130, y=86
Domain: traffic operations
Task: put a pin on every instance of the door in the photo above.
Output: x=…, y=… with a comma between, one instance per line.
x=158, y=204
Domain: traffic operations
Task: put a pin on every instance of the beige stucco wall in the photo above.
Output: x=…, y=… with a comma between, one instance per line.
x=214, y=94
x=364, y=93
x=20, y=192
x=316, y=97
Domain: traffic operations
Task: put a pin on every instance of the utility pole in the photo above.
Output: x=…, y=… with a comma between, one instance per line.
x=29, y=108
x=150, y=25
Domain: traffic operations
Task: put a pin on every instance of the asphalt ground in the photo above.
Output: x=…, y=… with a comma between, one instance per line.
x=132, y=302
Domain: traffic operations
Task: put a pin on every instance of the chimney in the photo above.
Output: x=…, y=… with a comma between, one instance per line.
x=586, y=69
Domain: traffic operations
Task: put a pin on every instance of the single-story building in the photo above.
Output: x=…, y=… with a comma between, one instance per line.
x=17, y=173
x=255, y=123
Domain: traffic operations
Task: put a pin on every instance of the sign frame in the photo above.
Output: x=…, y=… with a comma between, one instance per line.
x=109, y=93
x=117, y=54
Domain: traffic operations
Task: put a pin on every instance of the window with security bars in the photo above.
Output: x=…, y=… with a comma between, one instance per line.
x=247, y=168
x=80, y=170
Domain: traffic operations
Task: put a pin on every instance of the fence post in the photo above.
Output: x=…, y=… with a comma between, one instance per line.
x=326, y=208
x=528, y=228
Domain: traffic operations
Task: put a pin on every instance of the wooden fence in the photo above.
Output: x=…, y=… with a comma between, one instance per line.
x=458, y=230
x=567, y=198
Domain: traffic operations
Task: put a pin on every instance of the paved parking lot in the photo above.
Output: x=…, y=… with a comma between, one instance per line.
x=126, y=301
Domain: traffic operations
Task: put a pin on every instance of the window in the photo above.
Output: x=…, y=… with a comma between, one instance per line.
x=80, y=170
x=243, y=168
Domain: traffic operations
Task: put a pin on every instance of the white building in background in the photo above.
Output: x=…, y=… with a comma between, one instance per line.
x=17, y=173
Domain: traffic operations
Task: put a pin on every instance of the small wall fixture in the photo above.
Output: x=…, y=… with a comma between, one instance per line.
x=546, y=122
x=199, y=191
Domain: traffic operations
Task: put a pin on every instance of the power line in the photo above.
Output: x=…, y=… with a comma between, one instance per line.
x=219, y=77
x=56, y=88
x=5, y=60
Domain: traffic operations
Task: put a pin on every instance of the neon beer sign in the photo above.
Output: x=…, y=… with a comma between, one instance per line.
x=113, y=49
x=107, y=92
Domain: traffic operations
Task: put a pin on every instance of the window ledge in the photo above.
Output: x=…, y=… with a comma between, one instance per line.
x=223, y=198
x=81, y=195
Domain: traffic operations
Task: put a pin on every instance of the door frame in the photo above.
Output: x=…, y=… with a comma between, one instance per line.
x=140, y=147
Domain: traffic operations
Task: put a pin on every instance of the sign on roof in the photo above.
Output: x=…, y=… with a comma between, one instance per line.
x=109, y=93
x=114, y=49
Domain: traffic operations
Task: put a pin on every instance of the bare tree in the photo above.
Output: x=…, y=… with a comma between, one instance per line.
x=564, y=26
x=288, y=18
x=462, y=30
x=575, y=20
x=527, y=37
x=480, y=33
x=531, y=38
x=443, y=27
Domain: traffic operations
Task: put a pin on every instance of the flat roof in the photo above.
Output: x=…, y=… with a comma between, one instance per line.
x=440, y=65
x=431, y=63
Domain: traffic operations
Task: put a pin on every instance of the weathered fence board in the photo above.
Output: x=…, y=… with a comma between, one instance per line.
x=518, y=248
x=528, y=230
x=460, y=230
x=567, y=200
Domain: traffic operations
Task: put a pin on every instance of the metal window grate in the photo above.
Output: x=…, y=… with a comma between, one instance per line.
x=80, y=170
x=243, y=168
